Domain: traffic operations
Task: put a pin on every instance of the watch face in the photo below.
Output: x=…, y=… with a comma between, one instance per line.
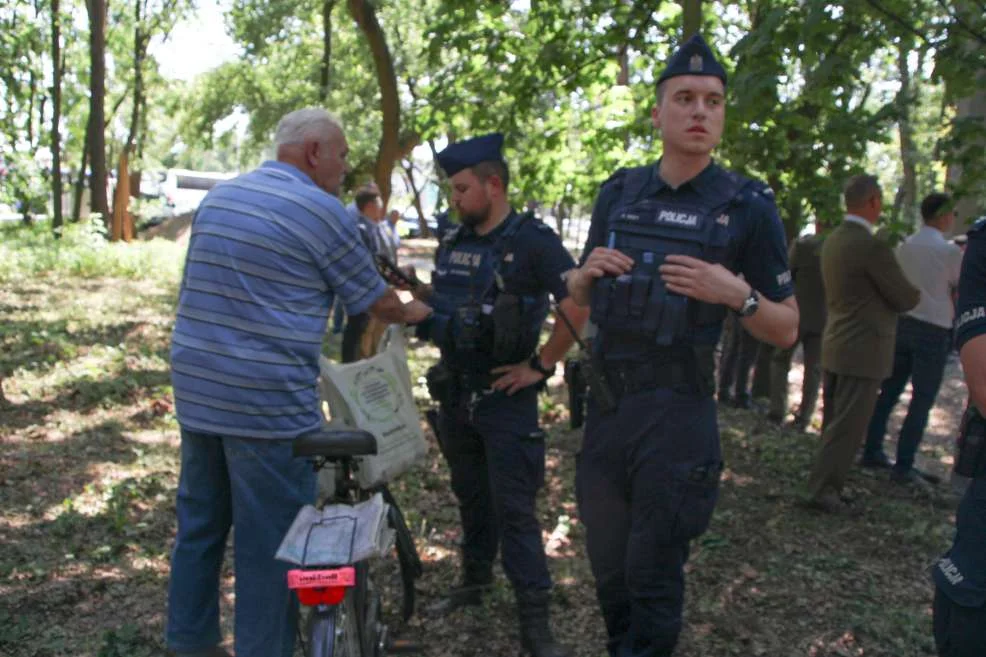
x=750, y=305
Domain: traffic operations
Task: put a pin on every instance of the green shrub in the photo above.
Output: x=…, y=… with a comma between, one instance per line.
x=83, y=252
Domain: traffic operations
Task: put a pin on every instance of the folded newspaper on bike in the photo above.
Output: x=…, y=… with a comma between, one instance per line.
x=338, y=534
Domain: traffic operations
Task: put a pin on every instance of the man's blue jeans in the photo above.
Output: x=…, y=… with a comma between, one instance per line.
x=920, y=354
x=256, y=486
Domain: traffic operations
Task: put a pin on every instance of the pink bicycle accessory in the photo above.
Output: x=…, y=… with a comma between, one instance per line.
x=321, y=587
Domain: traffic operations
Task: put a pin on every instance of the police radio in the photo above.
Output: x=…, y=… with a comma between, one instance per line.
x=971, y=458
x=589, y=369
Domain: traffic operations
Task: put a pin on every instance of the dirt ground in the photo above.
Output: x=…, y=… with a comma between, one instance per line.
x=88, y=469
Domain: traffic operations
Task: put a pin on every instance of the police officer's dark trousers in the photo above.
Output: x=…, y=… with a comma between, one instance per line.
x=496, y=456
x=647, y=482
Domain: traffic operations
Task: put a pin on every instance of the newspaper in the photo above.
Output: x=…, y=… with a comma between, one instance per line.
x=338, y=534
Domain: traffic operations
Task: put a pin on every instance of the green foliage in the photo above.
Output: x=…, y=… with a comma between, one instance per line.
x=813, y=89
x=82, y=251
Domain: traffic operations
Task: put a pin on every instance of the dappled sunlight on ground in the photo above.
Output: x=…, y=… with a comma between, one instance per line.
x=89, y=464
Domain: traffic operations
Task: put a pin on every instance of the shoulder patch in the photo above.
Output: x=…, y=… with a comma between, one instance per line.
x=448, y=239
x=979, y=226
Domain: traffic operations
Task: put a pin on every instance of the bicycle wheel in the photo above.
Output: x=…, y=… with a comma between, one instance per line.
x=333, y=631
x=374, y=629
x=407, y=555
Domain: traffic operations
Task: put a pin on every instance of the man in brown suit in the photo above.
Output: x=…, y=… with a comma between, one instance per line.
x=865, y=290
x=805, y=257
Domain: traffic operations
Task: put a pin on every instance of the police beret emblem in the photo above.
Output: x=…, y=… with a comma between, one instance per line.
x=695, y=63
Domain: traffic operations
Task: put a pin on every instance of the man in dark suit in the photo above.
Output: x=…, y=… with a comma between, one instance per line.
x=865, y=290
x=806, y=268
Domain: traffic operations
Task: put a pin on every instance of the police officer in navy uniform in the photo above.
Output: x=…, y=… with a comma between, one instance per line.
x=490, y=289
x=960, y=575
x=664, y=249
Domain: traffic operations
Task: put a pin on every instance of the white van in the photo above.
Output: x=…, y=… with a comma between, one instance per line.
x=184, y=189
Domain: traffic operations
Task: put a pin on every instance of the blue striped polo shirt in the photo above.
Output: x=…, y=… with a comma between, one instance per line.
x=268, y=253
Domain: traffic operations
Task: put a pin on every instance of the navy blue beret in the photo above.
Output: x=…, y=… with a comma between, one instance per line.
x=470, y=152
x=694, y=57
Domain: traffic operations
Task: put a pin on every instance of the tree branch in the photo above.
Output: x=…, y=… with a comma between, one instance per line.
x=955, y=17
x=900, y=21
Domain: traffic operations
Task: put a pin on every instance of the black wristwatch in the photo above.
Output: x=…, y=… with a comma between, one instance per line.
x=750, y=305
x=535, y=364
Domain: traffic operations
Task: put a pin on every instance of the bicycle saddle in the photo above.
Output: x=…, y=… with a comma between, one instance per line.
x=335, y=443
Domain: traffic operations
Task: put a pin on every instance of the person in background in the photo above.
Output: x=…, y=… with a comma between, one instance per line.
x=806, y=270
x=370, y=211
x=924, y=338
x=390, y=230
x=865, y=290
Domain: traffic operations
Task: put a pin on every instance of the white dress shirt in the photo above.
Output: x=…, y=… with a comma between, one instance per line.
x=856, y=219
x=931, y=263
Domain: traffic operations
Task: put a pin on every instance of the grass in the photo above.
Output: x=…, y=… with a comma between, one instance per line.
x=81, y=252
x=89, y=464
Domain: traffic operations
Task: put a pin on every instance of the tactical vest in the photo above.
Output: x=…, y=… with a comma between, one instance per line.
x=477, y=323
x=647, y=230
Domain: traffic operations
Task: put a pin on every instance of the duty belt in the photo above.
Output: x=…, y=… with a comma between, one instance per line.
x=627, y=377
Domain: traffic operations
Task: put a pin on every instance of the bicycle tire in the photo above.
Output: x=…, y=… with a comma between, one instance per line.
x=407, y=554
x=333, y=631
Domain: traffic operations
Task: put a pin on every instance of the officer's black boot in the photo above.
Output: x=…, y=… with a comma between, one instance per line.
x=535, y=631
x=477, y=580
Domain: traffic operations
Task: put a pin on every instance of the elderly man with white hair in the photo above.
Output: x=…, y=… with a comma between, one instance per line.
x=269, y=252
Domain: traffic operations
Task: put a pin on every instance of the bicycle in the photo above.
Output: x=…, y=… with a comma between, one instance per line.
x=344, y=605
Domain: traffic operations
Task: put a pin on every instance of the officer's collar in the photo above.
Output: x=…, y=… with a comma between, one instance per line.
x=704, y=183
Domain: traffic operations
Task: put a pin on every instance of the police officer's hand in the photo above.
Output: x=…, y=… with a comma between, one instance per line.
x=515, y=377
x=704, y=281
x=416, y=311
x=601, y=262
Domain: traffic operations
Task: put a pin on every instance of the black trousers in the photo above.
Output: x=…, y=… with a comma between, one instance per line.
x=959, y=631
x=351, y=336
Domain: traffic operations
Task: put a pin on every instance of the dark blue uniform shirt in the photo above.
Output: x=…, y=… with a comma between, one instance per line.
x=757, y=247
x=961, y=573
x=534, y=261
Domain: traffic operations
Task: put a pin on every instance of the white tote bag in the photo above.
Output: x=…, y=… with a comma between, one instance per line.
x=375, y=395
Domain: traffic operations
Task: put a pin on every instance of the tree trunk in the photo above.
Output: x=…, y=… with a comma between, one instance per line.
x=390, y=149
x=32, y=85
x=80, y=181
x=691, y=15
x=906, y=99
x=56, y=117
x=425, y=231
x=323, y=88
x=140, y=51
x=967, y=159
x=97, y=97
x=965, y=171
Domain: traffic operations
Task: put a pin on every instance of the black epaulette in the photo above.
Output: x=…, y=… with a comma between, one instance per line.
x=617, y=177
x=763, y=189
